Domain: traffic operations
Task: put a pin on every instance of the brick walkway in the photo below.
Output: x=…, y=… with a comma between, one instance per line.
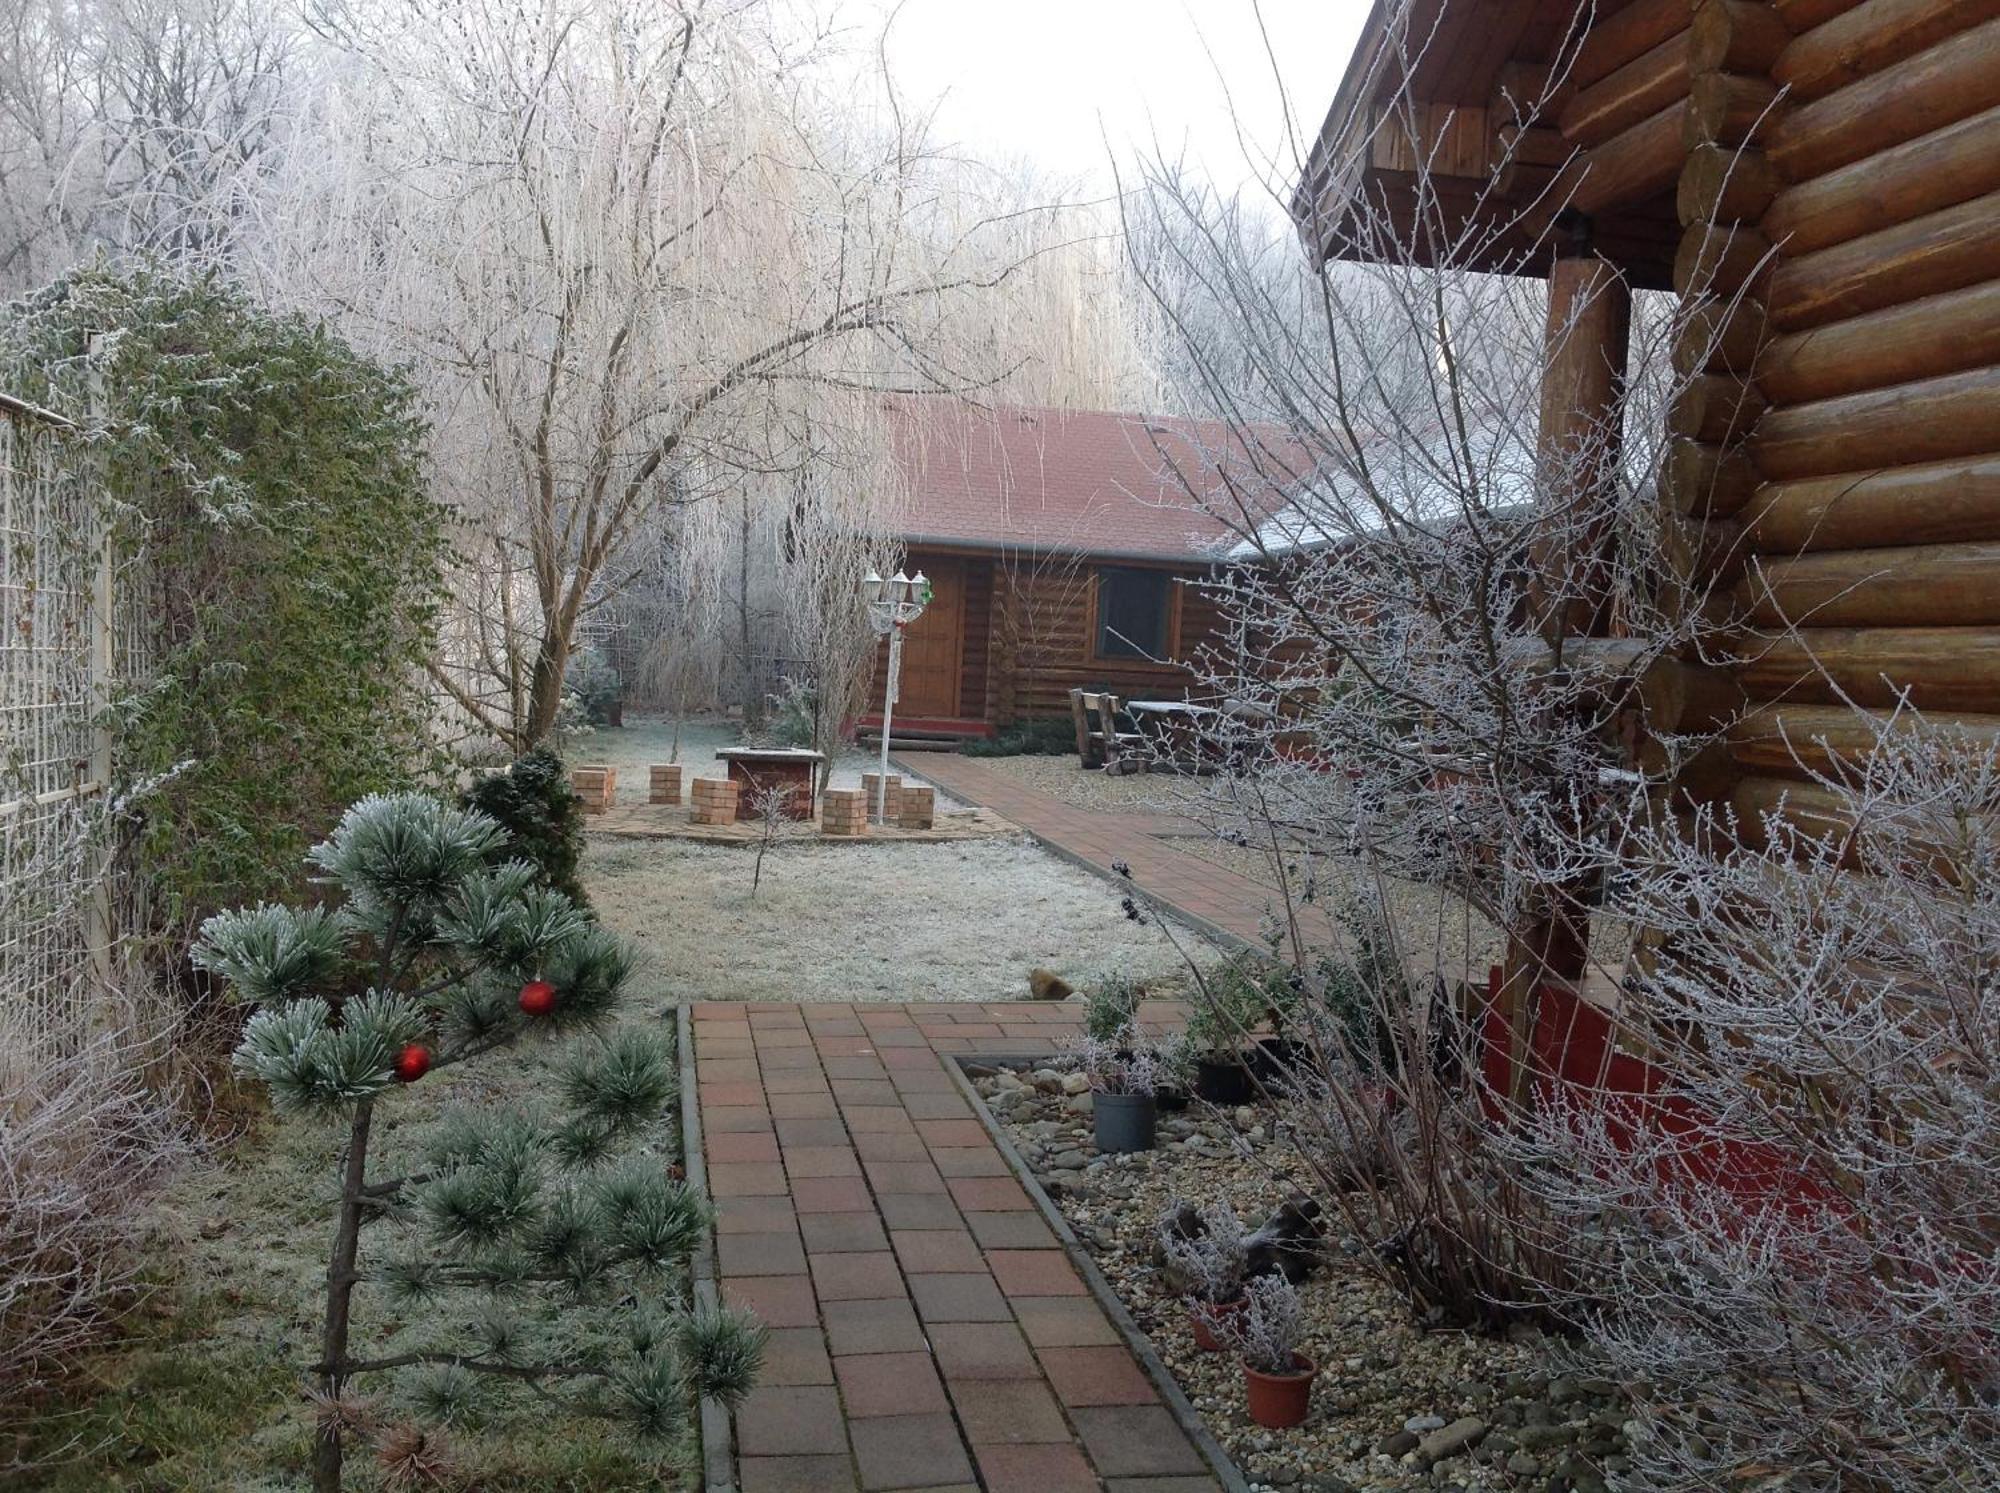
x=927, y=1329
x=1200, y=890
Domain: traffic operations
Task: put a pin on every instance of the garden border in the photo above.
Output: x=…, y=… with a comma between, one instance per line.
x=1140, y=1346
x=1215, y=933
x=718, y=1441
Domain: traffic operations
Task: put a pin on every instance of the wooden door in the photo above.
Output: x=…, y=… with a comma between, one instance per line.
x=933, y=647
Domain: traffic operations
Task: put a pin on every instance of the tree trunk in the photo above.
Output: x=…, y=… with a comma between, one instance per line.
x=545, y=689
x=340, y=1278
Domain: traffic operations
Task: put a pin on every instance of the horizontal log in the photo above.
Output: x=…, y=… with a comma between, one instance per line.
x=1872, y=36
x=1935, y=503
x=1678, y=698
x=1714, y=409
x=1934, y=171
x=1947, y=82
x=1924, y=585
x=1633, y=166
x=1705, y=480
x=1704, y=555
x=1784, y=740
x=1720, y=335
x=1729, y=109
x=1772, y=811
x=1930, y=420
x=1642, y=87
x=1801, y=16
x=1723, y=184
x=1939, y=334
x=1720, y=259
x=1942, y=251
x=1943, y=668
x=1735, y=36
x=1625, y=35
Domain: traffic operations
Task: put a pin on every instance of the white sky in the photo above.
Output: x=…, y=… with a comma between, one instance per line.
x=1053, y=82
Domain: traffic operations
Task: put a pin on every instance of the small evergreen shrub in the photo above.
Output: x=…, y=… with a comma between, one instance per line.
x=594, y=685
x=533, y=802
x=1041, y=736
x=793, y=710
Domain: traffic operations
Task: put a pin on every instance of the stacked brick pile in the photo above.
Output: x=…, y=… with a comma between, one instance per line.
x=919, y=807
x=714, y=801
x=596, y=787
x=892, y=807
x=843, y=811
x=665, y=787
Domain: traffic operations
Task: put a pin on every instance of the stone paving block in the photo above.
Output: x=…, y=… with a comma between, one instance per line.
x=760, y=1254
x=831, y=1195
x=1136, y=1441
x=869, y=1276
x=820, y=1132
x=937, y=1251
x=733, y=1119
x=1035, y=1469
x=909, y=1451
x=969, y=1161
x=779, y=1300
x=796, y=1081
x=749, y=1145
x=1034, y=1272
x=889, y=1177
x=918, y=1210
x=1064, y=1322
x=798, y=1475
x=939, y=1134
x=890, y=1145
x=1010, y=1412
x=926, y=1080
x=862, y=1093
x=859, y=1067
x=712, y=1071
x=982, y=1350
x=746, y=1179
x=1011, y=1230
x=878, y=1119
x=1163, y=1485
x=989, y=1194
x=842, y=1233
x=777, y=1421
x=795, y=1355
x=1104, y=1375
x=873, y=1384
x=815, y=1106
x=958, y=1298
x=875, y=1327
x=737, y=1091
x=776, y=1060
x=936, y=1106
x=753, y=1215
x=821, y=1161
x=784, y=1037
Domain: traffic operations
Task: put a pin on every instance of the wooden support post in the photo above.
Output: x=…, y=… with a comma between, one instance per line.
x=1583, y=385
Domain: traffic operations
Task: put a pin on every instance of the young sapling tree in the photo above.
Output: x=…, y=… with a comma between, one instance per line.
x=432, y=955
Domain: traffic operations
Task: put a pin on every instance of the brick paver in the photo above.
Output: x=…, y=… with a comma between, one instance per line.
x=1201, y=891
x=927, y=1330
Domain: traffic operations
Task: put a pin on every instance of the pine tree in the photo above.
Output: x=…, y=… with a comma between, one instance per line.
x=435, y=955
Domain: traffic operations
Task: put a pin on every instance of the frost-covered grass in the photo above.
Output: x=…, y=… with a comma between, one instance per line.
x=205, y=1396
x=961, y=920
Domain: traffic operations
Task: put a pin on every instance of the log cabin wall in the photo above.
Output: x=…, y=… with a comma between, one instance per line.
x=1861, y=227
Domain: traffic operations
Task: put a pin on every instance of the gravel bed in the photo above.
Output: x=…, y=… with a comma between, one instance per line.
x=1081, y=788
x=1396, y=1406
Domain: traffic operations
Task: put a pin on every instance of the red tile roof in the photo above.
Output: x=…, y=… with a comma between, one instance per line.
x=1084, y=482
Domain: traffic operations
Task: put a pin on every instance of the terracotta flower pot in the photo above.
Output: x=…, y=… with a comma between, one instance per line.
x=1210, y=1320
x=1280, y=1400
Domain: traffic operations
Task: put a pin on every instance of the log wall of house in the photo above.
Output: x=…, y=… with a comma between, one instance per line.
x=1843, y=438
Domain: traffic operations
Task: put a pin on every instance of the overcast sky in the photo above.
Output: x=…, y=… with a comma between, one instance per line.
x=1051, y=81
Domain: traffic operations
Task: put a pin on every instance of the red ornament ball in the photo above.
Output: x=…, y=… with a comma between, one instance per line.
x=538, y=998
x=413, y=1062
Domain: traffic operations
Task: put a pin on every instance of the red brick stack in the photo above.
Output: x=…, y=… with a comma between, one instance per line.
x=892, y=806
x=843, y=811
x=665, y=785
x=919, y=808
x=596, y=786
x=714, y=801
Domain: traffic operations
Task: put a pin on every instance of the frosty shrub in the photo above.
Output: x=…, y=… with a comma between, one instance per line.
x=425, y=956
x=1267, y=1331
x=1205, y=1249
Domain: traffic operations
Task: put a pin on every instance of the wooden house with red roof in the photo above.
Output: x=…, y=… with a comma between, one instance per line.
x=1060, y=546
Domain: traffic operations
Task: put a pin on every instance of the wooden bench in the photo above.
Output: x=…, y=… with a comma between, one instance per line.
x=1099, y=742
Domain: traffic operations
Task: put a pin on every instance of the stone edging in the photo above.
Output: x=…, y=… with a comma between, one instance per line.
x=718, y=1442
x=1215, y=933
x=1137, y=1342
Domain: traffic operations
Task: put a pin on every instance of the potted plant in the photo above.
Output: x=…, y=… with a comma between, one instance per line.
x=1277, y=1377
x=1125, y=1075
x=1229, y=1008
x=1205, y=1255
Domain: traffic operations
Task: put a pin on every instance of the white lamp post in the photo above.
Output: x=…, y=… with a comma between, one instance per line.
x=892, y=606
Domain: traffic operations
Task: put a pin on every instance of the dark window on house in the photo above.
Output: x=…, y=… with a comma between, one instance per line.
x=1134, y=608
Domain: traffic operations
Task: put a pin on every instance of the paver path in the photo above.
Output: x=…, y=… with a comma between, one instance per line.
x=927, y=1329
x=1202, y=891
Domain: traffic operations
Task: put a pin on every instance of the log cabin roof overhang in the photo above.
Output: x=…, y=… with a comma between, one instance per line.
x=1457, y=137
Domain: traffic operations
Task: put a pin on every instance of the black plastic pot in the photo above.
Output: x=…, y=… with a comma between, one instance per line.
x=1170, y=1101
x=1123, y=1122
x=1273, y=1058
x=1223, y=1080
